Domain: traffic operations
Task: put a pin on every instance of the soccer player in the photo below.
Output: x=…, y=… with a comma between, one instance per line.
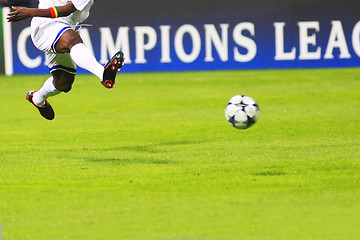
x=53, y=32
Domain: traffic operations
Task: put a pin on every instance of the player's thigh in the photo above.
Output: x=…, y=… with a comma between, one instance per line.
x=45, y=34
x=67, y=40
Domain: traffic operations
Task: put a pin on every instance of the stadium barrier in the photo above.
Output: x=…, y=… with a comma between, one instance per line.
x=208, y=35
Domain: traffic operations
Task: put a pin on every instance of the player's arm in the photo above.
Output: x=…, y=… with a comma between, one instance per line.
x=22, y=13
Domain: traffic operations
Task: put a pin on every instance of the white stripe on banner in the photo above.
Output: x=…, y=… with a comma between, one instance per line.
x=7, y=43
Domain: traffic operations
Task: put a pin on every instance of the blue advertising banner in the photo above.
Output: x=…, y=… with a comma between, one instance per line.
x=212, y=35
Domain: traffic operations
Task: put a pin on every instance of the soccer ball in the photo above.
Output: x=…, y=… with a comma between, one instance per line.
x=242, y=111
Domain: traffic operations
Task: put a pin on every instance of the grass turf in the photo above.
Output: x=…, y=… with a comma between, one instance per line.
x=154, y=158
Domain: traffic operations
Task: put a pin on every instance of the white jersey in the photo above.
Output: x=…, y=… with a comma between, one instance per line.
x=45, y=32
x=80, y=15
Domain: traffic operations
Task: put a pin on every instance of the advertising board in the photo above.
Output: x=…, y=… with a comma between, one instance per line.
x=211, y=35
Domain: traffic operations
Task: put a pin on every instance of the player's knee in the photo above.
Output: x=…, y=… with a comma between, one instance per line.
x=67, y=88
x=63, y=81
x=67, y=84
x=64, y=87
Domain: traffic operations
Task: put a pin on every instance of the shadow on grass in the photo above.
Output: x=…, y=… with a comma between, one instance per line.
x=93, y=153
x=149, y=148
x=269, y=173
x=126, y=160
x=116, y=160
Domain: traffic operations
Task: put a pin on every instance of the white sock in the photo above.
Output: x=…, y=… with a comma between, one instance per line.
x=47, y=90
x=86, y=60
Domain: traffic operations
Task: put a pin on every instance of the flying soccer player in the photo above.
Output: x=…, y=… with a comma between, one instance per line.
x=53, y=32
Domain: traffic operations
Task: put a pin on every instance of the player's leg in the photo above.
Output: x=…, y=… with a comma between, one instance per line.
x=38, y=98
x=60, y=38
x=63, y=71
x=60, y=81
x=47, y=90
x=71, y=42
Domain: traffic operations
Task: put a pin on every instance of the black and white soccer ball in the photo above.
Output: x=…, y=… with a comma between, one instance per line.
x=242, y=111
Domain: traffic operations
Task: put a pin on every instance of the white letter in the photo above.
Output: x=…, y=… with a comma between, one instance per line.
x=21, y=48
x=221, y=46
x=140, y=33
x=196, y=43
x=279, y=44
x=337, y=40
x=306, y=40
x=356, y=38
x=109, y=47
x=165, y=44
x=245, y=42
x=8, y=53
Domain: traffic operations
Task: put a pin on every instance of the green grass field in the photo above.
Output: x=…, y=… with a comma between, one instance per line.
x=154, y=158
